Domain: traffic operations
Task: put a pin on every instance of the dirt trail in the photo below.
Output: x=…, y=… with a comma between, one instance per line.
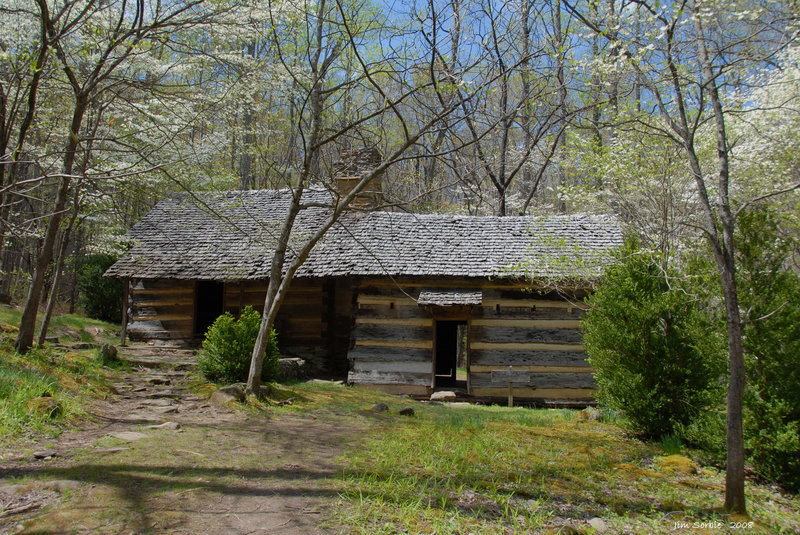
x=207, y=470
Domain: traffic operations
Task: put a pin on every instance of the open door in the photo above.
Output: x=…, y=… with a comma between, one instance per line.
x=209, y=297
x=451, y=355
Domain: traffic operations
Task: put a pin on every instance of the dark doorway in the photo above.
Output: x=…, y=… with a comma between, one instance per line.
x=208, y=299
x=451, y=353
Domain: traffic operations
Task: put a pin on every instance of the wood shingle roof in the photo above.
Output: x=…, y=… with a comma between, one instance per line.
x=232, y=235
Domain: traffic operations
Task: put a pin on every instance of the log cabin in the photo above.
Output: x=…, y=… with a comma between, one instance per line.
x=406, y=303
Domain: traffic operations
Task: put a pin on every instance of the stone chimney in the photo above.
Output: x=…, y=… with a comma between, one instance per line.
x=353, y=165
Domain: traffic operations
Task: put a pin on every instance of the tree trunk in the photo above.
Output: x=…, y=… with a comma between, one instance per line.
x=62, y=253
x=726, y=263
x=273, y=300
x=27, y=324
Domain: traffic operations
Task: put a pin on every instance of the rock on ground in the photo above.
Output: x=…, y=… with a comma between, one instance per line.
x=589, y=413
x=227, y=395
x=292, y=368
x=443, y=396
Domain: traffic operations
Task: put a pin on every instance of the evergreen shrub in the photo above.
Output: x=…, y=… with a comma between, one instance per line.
x=100, y=297
x=770, y=295
x=228, y=348
x=655, y=353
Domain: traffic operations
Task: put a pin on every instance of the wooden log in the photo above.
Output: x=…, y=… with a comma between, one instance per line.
x=537, y=393
x=156, y=292
x=161, y=317
x=171, y=300
x=389, y=378
x=534, y=368
x=538, y=303
x=300, y=322
x=288, y=339
x=169, y=309
x=399, y=366
x=528, y=323
x=415, y=344
x=298, y=300
x=386, y=300
x=388, y=354
x=157, y=334
x=508, y=377
x=184, y=323
x=392, y=332
x=522, y=358
x=305, y=332
x=405, y=322
x=525, y=346
x=528, y=313
x=384, y=311
x=530, y=334
x=535, y=380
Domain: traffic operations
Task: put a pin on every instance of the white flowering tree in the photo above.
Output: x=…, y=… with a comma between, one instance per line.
x=94, y=44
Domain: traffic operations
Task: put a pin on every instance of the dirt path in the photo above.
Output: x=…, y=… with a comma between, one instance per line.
x=206, y=470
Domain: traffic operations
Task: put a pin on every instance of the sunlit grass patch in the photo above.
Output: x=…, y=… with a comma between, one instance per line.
x=66, y=327
x=471, y=469
x=45, y=388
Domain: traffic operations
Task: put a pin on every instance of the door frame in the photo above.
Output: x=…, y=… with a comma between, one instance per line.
x=454, y=314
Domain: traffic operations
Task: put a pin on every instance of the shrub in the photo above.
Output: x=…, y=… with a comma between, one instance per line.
x=228, y=348
x=771, y=295
x=650, y=346
x=100, y=297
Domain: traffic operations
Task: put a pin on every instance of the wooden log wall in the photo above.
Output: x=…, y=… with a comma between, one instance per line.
x=540, y=337
x=302, y=321
x=161, y=310
x=392, y=347
x=393, y=340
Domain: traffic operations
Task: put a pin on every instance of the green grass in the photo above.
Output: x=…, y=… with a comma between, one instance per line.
x=486, y=470
x=45, y=389
x=472, y=469
x=67, y=327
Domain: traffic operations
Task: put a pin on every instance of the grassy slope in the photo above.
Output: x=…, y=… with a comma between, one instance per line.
x=44, y=390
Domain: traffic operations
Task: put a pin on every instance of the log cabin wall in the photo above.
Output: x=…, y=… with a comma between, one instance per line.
x=303, y=320
x=161, y=309
x=392, y=340
x=540, y=336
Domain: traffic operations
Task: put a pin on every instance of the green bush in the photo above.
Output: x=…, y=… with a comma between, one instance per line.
x=770, y=293
x=655, y=352
x=100, y=297
x=228, y=348
x=707, y=433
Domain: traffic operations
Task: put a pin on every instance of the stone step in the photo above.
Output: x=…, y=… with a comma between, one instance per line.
x=159, y=361
x=150, y=350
